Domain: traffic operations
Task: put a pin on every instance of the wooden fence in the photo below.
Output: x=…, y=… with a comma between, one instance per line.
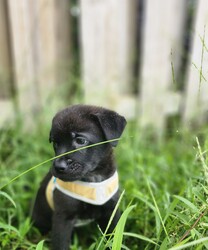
x=146, y=59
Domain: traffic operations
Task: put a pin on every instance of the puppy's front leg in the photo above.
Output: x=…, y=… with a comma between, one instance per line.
x=103, y=221
x=61, y=232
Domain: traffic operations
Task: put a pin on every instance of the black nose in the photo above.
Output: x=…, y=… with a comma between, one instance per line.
x=61, y=165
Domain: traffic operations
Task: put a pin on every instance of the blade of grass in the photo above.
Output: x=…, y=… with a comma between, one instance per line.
x=40, y=245
x=118, y=236
x=187, y=203
x=150, y=205
x=190, y=244
x=8, y=197
x=139, y=236
x=53, y=158
x=157, y=209
x=110, y=221
x=202, y=159
x=9, y=228
x=193, y=226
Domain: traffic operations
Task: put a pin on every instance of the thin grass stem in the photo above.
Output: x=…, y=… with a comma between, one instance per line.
x=53, y=158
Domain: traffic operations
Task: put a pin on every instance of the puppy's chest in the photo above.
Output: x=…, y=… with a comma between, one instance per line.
x=76, y=208
x=81, y=200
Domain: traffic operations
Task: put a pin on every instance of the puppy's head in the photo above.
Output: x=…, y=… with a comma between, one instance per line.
x=79, y=126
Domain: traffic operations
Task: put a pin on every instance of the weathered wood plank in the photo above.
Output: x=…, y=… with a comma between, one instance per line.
x=6, y=112
x=54, y=50
x=41, y=48
x=107, y=40
x=162, y=37
x=22, y=20
x=5, y=55
x=196, y=103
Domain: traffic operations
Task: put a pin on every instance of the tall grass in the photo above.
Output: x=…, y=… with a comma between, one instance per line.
x=165, y=200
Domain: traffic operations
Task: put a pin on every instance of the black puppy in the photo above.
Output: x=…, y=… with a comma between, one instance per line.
x=83, y=184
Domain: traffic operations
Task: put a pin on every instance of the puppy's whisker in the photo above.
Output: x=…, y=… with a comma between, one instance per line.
x=56, y=157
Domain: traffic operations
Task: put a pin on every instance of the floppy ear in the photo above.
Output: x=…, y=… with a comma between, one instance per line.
x=112, y=124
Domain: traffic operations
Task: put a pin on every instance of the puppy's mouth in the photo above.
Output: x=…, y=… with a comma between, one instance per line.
x=67, y=170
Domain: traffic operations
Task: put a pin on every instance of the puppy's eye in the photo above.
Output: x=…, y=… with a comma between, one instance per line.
x=81, y=141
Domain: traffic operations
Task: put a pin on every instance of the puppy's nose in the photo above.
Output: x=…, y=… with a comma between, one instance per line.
x=60, y=165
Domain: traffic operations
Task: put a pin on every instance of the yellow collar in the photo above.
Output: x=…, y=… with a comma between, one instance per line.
x=96, y=193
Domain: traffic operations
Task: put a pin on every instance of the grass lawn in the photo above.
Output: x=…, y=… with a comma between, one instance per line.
x=165, y=199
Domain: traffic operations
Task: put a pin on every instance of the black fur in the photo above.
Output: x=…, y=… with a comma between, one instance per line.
x=74, y=127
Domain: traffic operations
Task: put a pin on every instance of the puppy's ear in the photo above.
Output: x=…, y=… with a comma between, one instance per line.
x=112, y=124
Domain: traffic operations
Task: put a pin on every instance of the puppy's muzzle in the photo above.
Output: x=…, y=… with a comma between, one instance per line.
x=61, y=165
x=67, y=168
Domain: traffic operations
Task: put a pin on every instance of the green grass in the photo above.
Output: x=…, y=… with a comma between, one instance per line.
x=164, y=205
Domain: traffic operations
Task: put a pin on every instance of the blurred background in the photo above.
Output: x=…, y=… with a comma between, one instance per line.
x=145, y=59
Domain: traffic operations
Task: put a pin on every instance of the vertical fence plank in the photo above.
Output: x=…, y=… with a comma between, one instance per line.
x=5, y=55
x=107, y=40
x=6, y=105
x=196, y=102
x=41, y=48
x=163, y=33
x=53, y=48
x=22, y=15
